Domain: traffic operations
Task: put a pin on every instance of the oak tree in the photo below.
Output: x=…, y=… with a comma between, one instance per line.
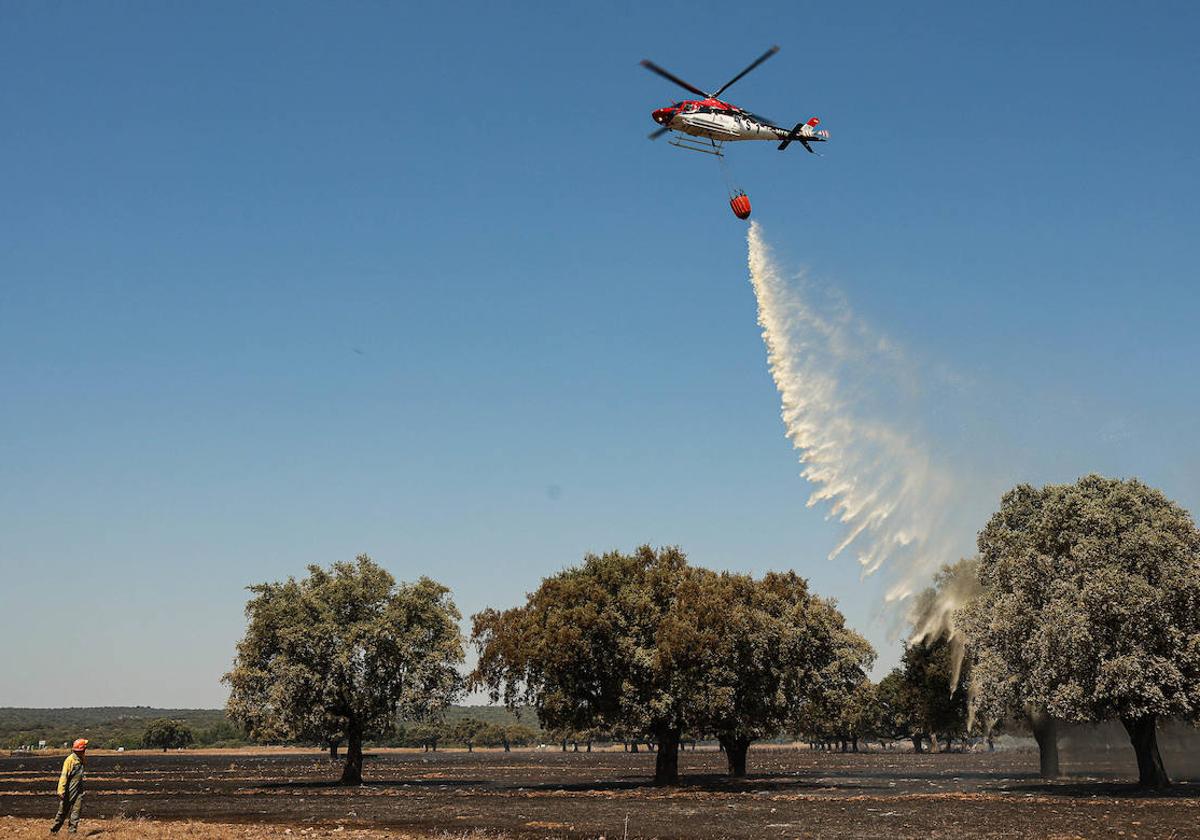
x=644, y=643
x=466, y=731
x=167, y=734
x=345, y=651
x=773, y=649
x=585, y=650
x=1091, y=608
x=936, y=690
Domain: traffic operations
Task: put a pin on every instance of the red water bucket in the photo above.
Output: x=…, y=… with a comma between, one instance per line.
x=740, y=204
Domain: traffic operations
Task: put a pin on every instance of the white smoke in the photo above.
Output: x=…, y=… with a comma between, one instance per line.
x=848, y=404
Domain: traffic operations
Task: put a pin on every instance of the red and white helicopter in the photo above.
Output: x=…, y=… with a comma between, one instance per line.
x=717, y=122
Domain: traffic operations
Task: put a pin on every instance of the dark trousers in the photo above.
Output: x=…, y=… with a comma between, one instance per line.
x=68, y=805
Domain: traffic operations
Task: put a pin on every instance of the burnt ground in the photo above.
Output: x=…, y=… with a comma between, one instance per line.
x=790, y=794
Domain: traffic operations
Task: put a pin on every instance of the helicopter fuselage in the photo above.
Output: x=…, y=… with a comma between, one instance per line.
x=715, y=120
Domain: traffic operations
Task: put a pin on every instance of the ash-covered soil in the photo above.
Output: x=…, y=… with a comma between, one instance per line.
x=117, y=828
x=790, y=794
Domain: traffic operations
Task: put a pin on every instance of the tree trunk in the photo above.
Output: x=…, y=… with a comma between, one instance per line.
x=633, y=747
x=854, y=743
x=589, y=746
x=1045, y=732
x=352, y=771
x=735, y=754
x=1143, y=736
x=333, y=748
x=666, y=765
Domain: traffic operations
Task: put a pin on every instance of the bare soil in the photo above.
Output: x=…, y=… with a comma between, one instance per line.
x=119, y=828
x=790, y=794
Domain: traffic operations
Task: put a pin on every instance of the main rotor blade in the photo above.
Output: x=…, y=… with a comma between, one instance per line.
x=757, y=62
x=762, y=119
x=654, y=68
x=654, y=135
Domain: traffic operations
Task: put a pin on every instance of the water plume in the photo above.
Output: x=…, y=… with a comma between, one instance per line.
x=933, y=615
x=849, y=406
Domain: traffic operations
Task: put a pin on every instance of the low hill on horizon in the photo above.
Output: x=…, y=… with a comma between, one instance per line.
x=109, y=727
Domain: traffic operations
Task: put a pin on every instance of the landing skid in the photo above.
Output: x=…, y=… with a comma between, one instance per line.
x=698, y=144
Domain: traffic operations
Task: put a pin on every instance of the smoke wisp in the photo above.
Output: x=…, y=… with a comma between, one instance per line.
x=849, y=398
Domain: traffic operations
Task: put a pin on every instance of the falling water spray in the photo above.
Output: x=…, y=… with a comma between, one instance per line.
x=843, y=389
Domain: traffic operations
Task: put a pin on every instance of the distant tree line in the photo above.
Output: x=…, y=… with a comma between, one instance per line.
x=113, y=727
x=108, y=728
x=468, y=732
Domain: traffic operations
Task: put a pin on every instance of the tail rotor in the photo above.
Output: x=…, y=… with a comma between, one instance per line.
x=803, y=133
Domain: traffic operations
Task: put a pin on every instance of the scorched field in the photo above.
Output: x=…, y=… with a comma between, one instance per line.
x=790, y=794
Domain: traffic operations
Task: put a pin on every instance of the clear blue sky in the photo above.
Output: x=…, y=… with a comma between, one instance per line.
x=283, y=283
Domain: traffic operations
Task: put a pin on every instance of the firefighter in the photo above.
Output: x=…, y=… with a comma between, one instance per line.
x=70, y=789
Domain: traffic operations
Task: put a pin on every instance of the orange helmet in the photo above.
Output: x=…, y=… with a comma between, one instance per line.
x=80, y=745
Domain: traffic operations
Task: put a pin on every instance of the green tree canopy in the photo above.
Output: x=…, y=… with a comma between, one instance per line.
x=426, y=735
x=644, y=643
x=466, y=731
x=166, y=734
x=860, y=716
x=897, y=708
x=771, y=650
x=519, y=735
x=345, y=652
x=584, y=650
x=492, y=735
x=1091, y=608
x=936, y=689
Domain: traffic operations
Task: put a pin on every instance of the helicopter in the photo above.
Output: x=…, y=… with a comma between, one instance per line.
x=707, y=123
